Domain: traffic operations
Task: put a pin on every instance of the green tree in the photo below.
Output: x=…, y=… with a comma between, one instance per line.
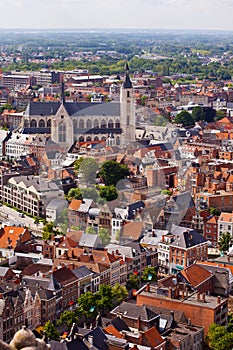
x=160, y=121
x=143, y=100
x=184, y=118
x=133, y=282
x=167, y=192
x=219, y=115
x=51, y=331
x=104, y=236
x=111, y=172
x=224, y=242
x=119, y=293
x=74, y=193
x=87, y=304
x=67, y=318
x=149, y=274
x=87, y=169
x=90, y=193
x=104, y=297
x=214, y=211
x=90, y=230
x=48, y=231
x=218, y=338
x=198, y=113
x=109, y=193
x=63, y=221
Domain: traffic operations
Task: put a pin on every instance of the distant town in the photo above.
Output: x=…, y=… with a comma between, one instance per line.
x=116, y=189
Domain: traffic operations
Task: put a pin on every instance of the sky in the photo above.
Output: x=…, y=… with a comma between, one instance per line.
x=158, y=14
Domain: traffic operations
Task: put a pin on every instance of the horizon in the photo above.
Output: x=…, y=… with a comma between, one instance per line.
x=149, y=14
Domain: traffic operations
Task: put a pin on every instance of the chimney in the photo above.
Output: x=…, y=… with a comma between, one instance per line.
x=90, y=339
x=218, y=299
x=198, y=296
x=187, y=292
x=71, y=266
x=203, y=297
x=148, y=287
x=170, y=292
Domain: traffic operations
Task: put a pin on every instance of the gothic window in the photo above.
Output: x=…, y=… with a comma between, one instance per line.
x=103, y=124
x=103, y=138
x=49, y=123
x=118, y=141
x=81, y=139
x=33, y=123
x=89, y=124
x=110, y=124
x=75, y=127
x=81, y=124
x=88, y=138
x=41, y=123
x=26, y=123
x=96, y=123
x=128, y=94
x=127, y=119
x=118, y=124
x=96, y=138
x=62, y=133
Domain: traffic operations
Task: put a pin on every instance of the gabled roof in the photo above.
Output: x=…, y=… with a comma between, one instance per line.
x=153, y=337
x=135, y=311
x=195, y=274
x=64, y=275
x=67, y=243
x=10, y=236
x=185, y=237
x=132, y=230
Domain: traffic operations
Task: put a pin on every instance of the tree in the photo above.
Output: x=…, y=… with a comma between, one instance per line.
x=119, y=293
x=198, y=113
x=87, y=304
x=104, y=236
x=63, y=221
x=104, y=297
x=111, y=172
x=218, y=338
x=219, y=115
x=48, y=231
x=67, y=318
x=167, y=192
x=214, y=211
x=74, y=193
x=87, y=169
x=184, y=118
x=149, y=274
x=51, y=331
x=90, y=230
x=109, y=193
x=90, y=193
x=225, y=241
x=133, y=282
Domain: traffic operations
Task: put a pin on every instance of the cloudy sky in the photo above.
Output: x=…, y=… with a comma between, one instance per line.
x=161, y=14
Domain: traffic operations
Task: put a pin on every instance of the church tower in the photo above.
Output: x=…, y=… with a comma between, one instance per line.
x=127, y=103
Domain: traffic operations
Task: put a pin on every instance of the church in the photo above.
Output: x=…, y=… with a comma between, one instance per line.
x=68, y=122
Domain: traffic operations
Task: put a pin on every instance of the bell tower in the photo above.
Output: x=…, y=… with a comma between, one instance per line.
x=127, y=103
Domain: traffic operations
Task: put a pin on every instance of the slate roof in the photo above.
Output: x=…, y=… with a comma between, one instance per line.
x=185, y=237
x=111, y=109
x=183, y=200
x=135, y=311
x=82, y=271
x=89, y=240
x=42, y=108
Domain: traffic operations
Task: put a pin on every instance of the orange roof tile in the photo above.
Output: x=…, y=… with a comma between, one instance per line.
x=110, y=329
x=132, y=229
x=227, y=217
x=153, y=337
x=195, y=274
x=75, y=204
x=11, y=235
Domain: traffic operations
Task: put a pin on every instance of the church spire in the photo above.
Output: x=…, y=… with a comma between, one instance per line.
x=127, y=82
